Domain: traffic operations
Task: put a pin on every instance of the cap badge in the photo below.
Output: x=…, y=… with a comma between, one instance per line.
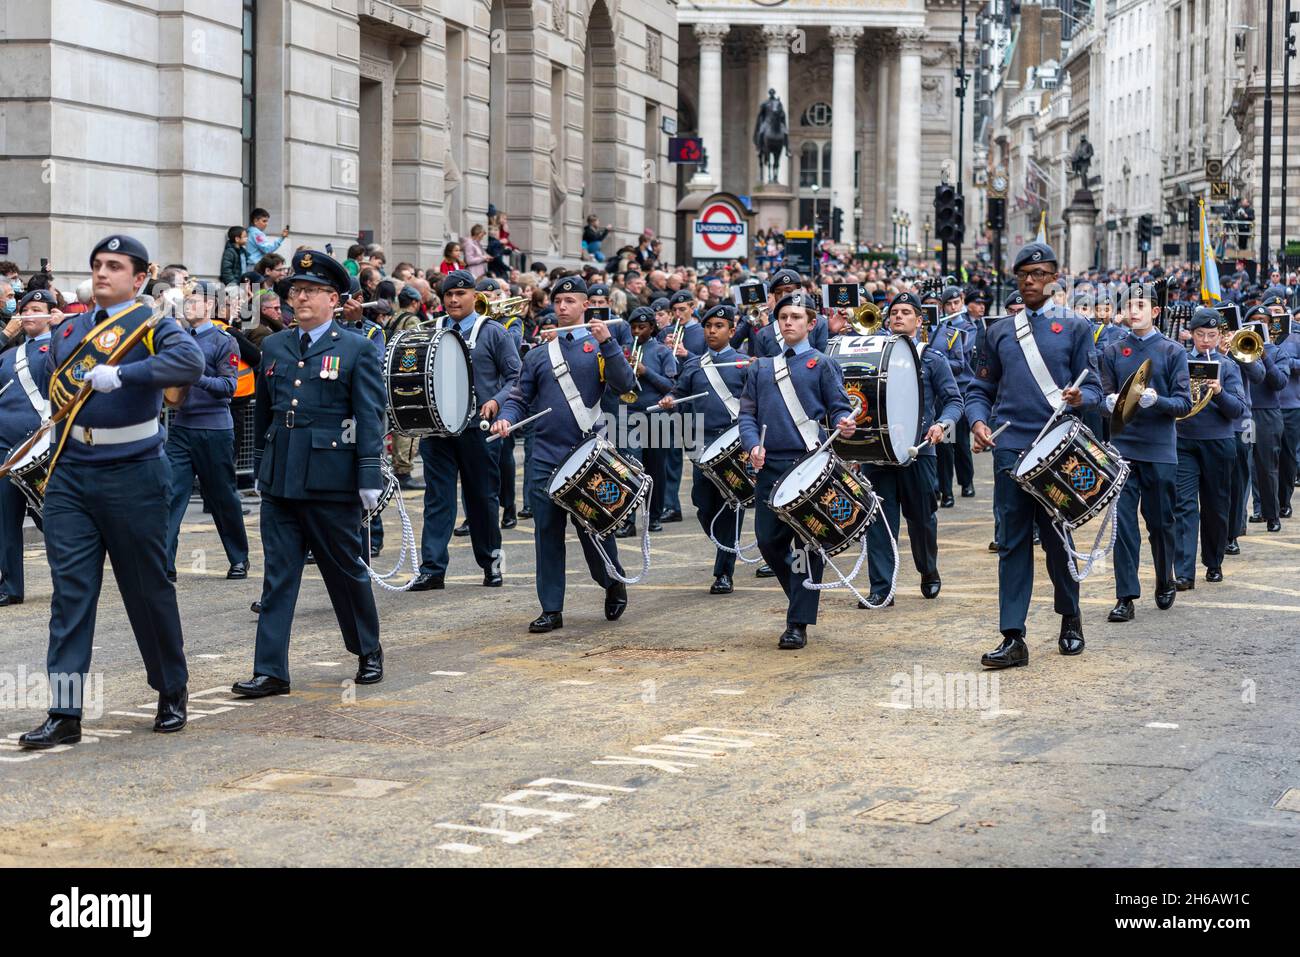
x=114, y=244
x=305, y=261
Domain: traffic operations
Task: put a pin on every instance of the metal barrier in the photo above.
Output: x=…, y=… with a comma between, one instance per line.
x=243, y=454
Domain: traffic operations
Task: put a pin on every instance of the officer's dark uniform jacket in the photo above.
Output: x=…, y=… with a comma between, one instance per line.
x=318, y=432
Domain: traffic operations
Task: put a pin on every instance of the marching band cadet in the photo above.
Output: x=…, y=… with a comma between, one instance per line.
x=201, y=438
x=495, y=362
x=818, y=393
x=25, y=379
x=762, y=338
x=1207, y=454
x=720, y=373
x=547, y=377
x=108, y=489
x=956, y=332
x=1288, y=348
x=318, y=445
x=1150, y=444
x=1014, y=303
x=1018, y=382
x=912, y=487
x=496, y=291
x=691, y=343
x=598, y=295
x=1266, y=411
x=692, y=336
x=655, y=371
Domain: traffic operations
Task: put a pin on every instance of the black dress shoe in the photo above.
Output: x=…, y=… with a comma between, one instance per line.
x=525, y=513
x=171, y=576
x=171, y=712
x=409, y=484
x=57, y=729
x=1255, y=519
x=947, y=502
x=1165, y=597
x=930, y=587
x=237, y=571
x=721, y=585
x=672, y=515
x=875, y=598
x=1071, y=640
x=509, y=522
x=461, y=530
x=1214, y=574
x=1123, y=611
x=255, y=608
x=1012, y=653
x=656, y=526
x=6, y=599
x=993, y=546
x=1233, y=548
x=427, y=581
x=1284, y=513
x=626, y=530
x=1274, y=525
x=492, y=579
x=546, y=621
x=370, y=668
x=968, y=491
x=309, y=559
x=260, y=686
x=764, y=571
x=376, y=550
x=793, y=638
x=1184, y=584
x=615, y=601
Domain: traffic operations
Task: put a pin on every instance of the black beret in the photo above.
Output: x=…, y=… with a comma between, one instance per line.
x=1257, y=314
x=1204, y=317
x=598, y=289
x=1015, y=299
x=354, y=285
x=797, y=299
x=118, y=243
x=661, y=305
x=681, y=295
x=1274, y=295
x=784, y=277
x=908, y=299
x=312, y=265
x=38, y=295
x=457, y=279
x=641, y=314
x=574, y=284
x=408, y=294
x=486, y=284
x=251, y=276
x=386, y=289
x=722, y=310
x=949, y=294
x=1034, y=252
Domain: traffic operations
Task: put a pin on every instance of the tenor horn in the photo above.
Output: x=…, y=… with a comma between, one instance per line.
x=866, y=319
x=1246, y=345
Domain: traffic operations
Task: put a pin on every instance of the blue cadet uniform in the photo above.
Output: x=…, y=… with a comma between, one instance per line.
x=720, y=414
x=1266, y=410
x=692, y=340
x=819, y=386
x=1243, y=429
x=108, y=492
x=619, y=330
x=495, y=362
x=1150, y=444
x=1207, y=455
x=955, y=334
x=318, y=443
x=1289, y=403
x=911, y=488
x=648, y=436
x=24, y=377
x=201, y=442
x=556, y=435
x=1005, y=390
x=505, y=448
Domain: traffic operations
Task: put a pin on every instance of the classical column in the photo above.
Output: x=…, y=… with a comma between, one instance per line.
x=909, y=128
x=844, y=124
x=778, y=37
x=710, y=37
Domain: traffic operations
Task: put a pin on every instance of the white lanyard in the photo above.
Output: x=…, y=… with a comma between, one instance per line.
x=34, y=396
x=1025, y=337
x=584, y=416
x=719, y=386
x=808, y=429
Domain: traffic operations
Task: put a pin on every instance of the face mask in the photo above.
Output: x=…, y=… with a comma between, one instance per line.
x=17, y=284
x=11, y=305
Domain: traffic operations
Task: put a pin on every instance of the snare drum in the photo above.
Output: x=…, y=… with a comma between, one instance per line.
x=727, y=466
x=32, y=472
x=882, y=376
x=1071, y=473
x=598, y=485
x=429, y=383
x=827, y=505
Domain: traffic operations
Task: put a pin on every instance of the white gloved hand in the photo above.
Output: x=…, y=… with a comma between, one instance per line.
x=1111, y=400
x=370, y=498
x=1147, y=398
x=104, y=378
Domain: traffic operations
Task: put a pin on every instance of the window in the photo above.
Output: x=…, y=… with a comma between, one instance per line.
x=808, y=165
x=248, y=124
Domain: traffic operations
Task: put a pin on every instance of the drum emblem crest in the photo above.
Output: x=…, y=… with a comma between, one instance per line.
x=108, y=339
x=408, y=360
x=606, y=490
x=841, y=509
x=1083, y=478
x=734, y=480
x=82, y=368
x=858, y=403
x=1057, y=495
x=815, y=525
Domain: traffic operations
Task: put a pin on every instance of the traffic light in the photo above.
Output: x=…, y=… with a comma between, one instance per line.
x=997, y=207
x=949, y=214
x=837, y=224
x=1145, y=222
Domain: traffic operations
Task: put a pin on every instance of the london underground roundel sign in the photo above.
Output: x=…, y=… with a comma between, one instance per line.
x=720, y=231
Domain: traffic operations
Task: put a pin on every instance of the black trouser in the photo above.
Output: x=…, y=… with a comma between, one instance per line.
x=1204, y=498
x=775, y=539
x=1286, y=468
x=1150, y=486
x=1240, y=479
x=956, y=456
x=910, y=490
x=1267, y=455
x=506, y=491
x=709, y=502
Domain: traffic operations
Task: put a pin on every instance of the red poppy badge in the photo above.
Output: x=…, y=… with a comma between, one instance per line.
x=811, y=363
x=588, y=347
x=1126, y=351
x=1057, y=327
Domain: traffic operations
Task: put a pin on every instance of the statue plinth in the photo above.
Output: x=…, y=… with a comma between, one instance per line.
x=1081, y=216
x=772, y=205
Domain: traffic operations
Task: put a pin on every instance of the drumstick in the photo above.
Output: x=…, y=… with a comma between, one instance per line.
x=992, y=436
x=515, y=425
x=1062, y=405
x=762, y=436
x=690, y=398
x=7, y=385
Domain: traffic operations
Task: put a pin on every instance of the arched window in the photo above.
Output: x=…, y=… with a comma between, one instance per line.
x=808, y=163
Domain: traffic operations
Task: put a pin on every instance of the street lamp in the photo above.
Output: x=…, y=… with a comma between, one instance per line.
x=906, y=220
x=927, y=233
x=896, y=219
x=815, y=189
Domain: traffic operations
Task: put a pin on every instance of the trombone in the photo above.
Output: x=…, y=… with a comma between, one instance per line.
x=500, y=308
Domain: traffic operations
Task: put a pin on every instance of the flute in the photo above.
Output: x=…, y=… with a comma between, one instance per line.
x=515, y=425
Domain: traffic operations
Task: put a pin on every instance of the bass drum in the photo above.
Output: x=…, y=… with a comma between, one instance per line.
x=828, y=506
x=882, y=375
x=429, y=383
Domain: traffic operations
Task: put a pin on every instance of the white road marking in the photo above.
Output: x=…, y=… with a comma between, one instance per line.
x=210, y=657
x=1161, y=724
x=132, y=714
x=461, y=848
x=998, y=712
x=575, y=681
x=450, y=674
x=325, y=664
x=725, y=691
x=894, y=704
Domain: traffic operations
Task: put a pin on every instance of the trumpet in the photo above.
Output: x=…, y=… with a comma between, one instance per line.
x=866, y=319
x=1246, y=345
x=499, y=308
x=757, y=315
x=633, y=359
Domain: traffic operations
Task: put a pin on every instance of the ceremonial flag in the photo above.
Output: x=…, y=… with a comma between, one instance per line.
x=1210, y=290
x=1042, y=228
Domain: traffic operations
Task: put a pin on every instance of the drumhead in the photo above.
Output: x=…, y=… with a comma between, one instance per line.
x=799, y=479
x=570, y=466
x=721, y=442
x=902, y=400
x=36, y=452
x=452, y=392
x=1034, y=456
